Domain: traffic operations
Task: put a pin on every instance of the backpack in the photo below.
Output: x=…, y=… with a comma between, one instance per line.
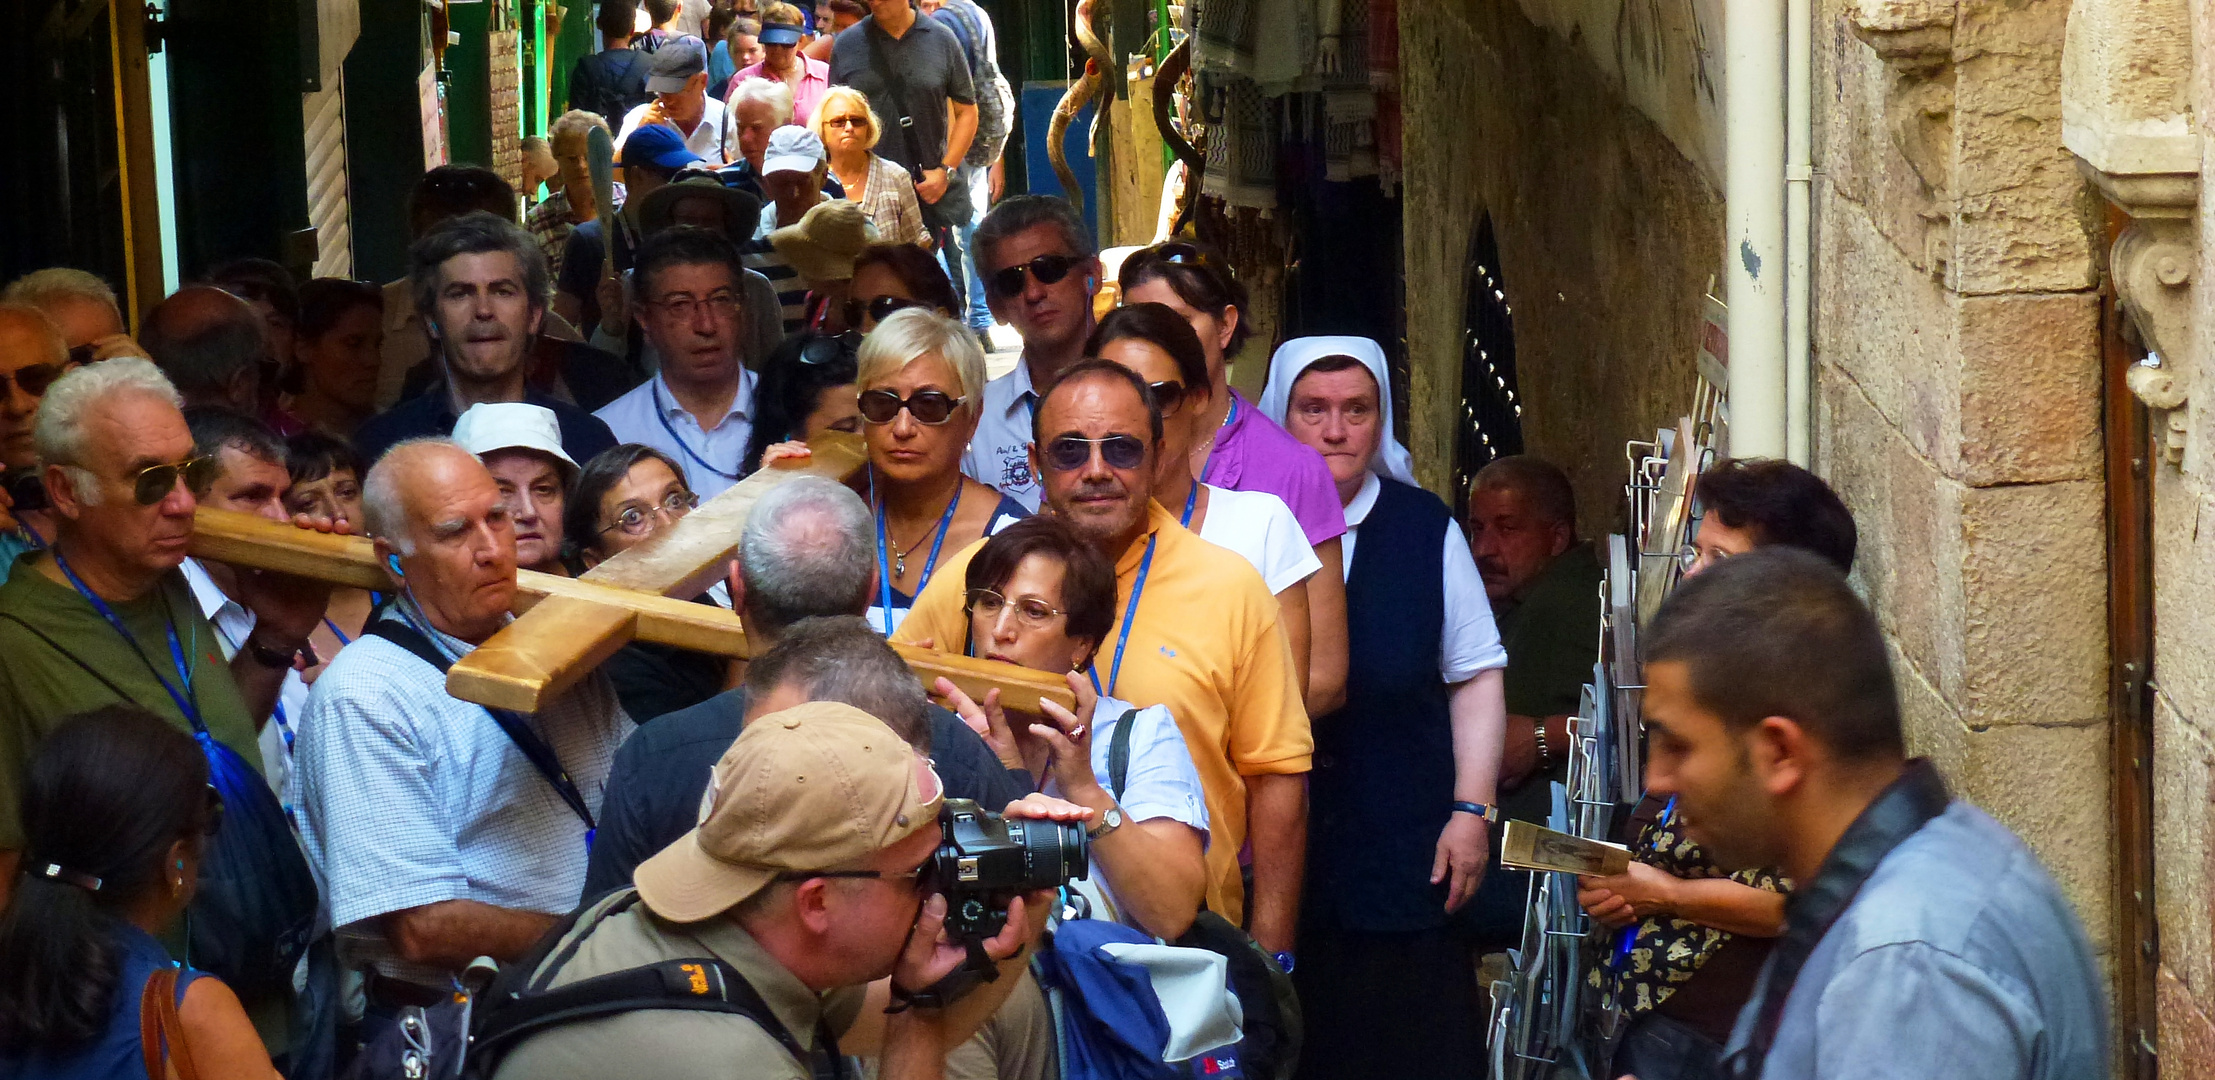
x=617, y=84
x=468, y=1036
x=1270, y=1048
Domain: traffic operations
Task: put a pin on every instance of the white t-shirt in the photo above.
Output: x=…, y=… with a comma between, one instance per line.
x=1159, y=782
x=706, y=140
x=1470, y=642
x=1261, y=529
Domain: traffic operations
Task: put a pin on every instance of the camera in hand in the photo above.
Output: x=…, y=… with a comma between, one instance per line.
x=985, y=860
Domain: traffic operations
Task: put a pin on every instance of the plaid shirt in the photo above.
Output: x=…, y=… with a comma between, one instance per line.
x=891, y=203
x=550, y=225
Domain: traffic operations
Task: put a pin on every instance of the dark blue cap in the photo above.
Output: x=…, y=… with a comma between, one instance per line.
x=657, y=144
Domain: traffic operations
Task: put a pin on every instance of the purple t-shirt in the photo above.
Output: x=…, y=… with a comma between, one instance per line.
x=1253, y=454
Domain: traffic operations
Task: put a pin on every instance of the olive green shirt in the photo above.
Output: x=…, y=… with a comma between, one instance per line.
x=58, y=657
x=1551, y=630
x=678, y=1045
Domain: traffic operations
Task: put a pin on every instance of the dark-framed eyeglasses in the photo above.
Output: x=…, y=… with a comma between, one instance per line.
x=931, y=407
x=682, y=306
x=153, y=483
x=640, y=520
x=1048, y=269
x=1068, y=453
x=878, y=308
x=832, y=348
x=1031, y=610
x=35, y=378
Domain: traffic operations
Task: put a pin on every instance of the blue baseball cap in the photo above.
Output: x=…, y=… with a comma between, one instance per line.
x=657, y=144
x=779, y=34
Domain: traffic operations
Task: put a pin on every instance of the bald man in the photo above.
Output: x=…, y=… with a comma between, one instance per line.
x=210, y=344
x=439, y=838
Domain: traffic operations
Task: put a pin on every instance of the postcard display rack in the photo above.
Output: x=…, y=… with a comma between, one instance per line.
x=1546, y=1022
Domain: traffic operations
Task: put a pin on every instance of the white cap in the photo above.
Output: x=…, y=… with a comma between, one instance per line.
x=511, y=425
x=793, y=149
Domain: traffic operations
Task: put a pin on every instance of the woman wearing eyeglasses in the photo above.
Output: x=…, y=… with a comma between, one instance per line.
x=1240, y=449
x=919, y=376
x=849, y=129
x=116, y=812
x=624, y=496
x=1156, y=345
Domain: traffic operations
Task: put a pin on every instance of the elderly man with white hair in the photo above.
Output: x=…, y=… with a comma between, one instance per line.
x=444, y=831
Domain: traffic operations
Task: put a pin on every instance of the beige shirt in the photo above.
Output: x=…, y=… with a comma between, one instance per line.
x=680, y=1045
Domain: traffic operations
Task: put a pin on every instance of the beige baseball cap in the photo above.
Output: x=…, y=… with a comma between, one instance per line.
x=821, y=786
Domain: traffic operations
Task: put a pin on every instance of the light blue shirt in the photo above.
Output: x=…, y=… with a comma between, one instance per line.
x=711, y=458
x=410, y=797
x=1160, y=780
x=999, y=453
x=1959, y=958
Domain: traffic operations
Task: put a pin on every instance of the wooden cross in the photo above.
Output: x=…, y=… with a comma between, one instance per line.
x=566, y=626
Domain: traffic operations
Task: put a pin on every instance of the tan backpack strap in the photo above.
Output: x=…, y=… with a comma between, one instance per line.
x=161, y=1032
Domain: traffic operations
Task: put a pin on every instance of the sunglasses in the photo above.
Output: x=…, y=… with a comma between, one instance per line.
x=1168, y=395
x=847, y=121
x=927, y=406
x=1048, y=269
x=1069, y=453
x=155, y=482
x=832, y=348
x=35, y=378
x=1178, y=253
x=877, y=308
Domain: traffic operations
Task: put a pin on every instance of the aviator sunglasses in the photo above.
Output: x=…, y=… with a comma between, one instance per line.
x=1048, y=269
x=1069, y=453
x=155, y=482
x=931, y=407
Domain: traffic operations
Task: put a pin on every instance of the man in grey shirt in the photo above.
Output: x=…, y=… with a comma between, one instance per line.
x=1922, y=937
x=916, y=76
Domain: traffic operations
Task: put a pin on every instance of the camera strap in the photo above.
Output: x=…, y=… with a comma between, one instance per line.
x=1119, y=754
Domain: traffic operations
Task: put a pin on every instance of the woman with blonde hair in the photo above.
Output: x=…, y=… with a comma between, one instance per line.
x=849, y=129
x=920, y=380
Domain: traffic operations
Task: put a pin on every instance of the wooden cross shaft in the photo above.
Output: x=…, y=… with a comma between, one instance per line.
x=565, y=627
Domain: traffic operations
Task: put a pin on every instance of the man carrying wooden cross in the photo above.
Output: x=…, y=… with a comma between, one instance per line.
x=444, y=830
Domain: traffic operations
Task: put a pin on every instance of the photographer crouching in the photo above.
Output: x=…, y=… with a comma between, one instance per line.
x=819, y=877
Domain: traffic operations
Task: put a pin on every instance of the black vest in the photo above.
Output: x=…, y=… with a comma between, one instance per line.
x=1383, y=783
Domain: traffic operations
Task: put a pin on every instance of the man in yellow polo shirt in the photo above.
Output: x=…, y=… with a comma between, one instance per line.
x=1196, y=630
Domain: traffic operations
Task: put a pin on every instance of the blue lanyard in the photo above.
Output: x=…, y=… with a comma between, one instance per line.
x=662, y=414
x=884, y=566
x=1130, y=613
x=186, y=699
x=343, y=640
x=1191, y=499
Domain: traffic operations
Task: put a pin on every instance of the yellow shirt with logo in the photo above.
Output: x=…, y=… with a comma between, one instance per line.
x=1206, y=643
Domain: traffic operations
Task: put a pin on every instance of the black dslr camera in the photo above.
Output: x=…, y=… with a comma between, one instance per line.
x=985, y=860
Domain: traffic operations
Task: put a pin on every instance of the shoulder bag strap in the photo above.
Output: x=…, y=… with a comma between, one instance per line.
x=899, y=87
x=519, y=731
x=1897, y=813
x=1119, y=754
x=161, y=1032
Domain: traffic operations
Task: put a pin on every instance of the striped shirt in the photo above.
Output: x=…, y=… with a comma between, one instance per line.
x=410, y=797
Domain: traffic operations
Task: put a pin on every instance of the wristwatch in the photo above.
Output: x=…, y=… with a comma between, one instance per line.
x=1110, y=821
x=269, y=656
x=1488, y=813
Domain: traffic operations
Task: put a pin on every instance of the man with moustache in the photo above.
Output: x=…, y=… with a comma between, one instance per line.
x=442, y=830
x=1922, y=937
x=1198, y=632
x=481, y=286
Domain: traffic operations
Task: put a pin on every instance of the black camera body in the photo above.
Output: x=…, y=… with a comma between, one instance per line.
x=985, y=860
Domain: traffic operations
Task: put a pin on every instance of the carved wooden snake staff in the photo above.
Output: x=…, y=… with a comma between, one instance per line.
x=1097, y=64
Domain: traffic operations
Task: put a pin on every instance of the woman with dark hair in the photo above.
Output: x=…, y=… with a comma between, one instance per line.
x=339, y=345
x=890, y=277
x=1746, y=503
x=1155, y=343
x=1039, y=596
x=806, y=388
x=326, y=482
x=116, y=807
x=622, y=497
x=1239, y=448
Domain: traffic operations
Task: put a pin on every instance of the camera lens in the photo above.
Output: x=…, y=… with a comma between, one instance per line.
x=1053, y=853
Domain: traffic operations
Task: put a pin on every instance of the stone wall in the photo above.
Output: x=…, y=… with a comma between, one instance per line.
x=1608, y=236
x=1957, y=367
